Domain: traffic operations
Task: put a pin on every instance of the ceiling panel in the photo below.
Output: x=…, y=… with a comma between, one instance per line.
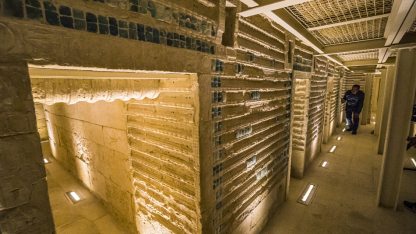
x=359, y=55
x=327, y=12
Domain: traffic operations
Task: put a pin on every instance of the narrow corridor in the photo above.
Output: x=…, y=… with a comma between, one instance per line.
x=345, y=201
x=88, y=216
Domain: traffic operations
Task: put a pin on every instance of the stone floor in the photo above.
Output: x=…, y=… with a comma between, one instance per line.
x=345, y=199
x=85, y=217
x=343, y=203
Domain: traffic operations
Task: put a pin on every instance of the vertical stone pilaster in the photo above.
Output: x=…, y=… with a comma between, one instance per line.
x=24, y=201
x=381, y=94
x=384, y=118
x=399, y=115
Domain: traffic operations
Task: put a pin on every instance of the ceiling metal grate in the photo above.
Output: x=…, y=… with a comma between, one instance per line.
x=327, y=12
x=362, y=31
x=359, y=55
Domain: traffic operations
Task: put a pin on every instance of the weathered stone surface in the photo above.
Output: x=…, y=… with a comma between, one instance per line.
x=90, y=140
x=24, y=204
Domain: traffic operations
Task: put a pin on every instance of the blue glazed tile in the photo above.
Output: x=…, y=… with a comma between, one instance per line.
x=143, y=5
x=13, y=8
x=49, y=6
x=33, y=9
x=182, y=41
x=91, y=22
x=67, y=21
x=34, y=13
x=189, y=43
x=132, y=31
x=149, y=34
x=175, y=40
x=198, y=45
x=162, y=37
x=113, y=26
x=156, y=38
x=51, y=14
x=78, y=14
x=151, y=7
x=79, y=24
x=103, y=24
x=193, y=44
x=79, y=19
x=123, y=29
x=64, y=10
x=33, y=3
x=140, y=32
x=170, y=39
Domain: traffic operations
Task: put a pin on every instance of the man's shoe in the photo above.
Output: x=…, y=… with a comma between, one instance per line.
x=354, y=133
x=410, y=205
x=348, y=129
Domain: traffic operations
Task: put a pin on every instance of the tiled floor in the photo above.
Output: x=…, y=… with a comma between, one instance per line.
x=345, y=199
x=85, y=217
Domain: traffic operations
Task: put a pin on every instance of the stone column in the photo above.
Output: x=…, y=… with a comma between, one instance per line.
x=403, y=89
x=24, y=201
x=384, y=117
x=367, y=101
x=381, y=94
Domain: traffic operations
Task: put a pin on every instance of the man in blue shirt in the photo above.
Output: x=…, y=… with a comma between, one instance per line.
x=354, y=100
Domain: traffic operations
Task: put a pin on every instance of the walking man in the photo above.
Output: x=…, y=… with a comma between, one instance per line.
x=354, y=99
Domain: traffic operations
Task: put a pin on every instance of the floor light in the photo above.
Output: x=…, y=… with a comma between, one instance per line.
x=343, y=130
x=307, y=194
x=333, y=148
x=339, y=138
x=324, y=164
x=413, y=161
x=45, y=160
x=73, y=196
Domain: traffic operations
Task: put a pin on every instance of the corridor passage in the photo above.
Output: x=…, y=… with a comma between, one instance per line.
x=87, y=216
x=345, y=199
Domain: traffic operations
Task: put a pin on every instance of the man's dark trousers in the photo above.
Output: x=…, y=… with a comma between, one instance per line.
x=353, y=121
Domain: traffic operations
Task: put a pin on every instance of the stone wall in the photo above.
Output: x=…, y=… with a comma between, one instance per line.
x=90, y=141
x=163, y=135
x=24, y=202
x=245, y=120
x=41, y=122
x=192, y=171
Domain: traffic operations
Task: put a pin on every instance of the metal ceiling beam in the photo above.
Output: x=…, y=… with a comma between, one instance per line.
x=284, y=19
x=360, y=63
x=289, y=23
x=270, y=7
x=250, y=3
x=348, y=22
x=355, y=46
x=367, y=62
x=401, y=19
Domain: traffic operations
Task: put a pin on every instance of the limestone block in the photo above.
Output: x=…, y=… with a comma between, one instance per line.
x=33, y=217
x=119, y=168
x=116, y=139
x=98, y=184
x=121, y=202
x=83, y=172
x=93, y=132
x=15, y=154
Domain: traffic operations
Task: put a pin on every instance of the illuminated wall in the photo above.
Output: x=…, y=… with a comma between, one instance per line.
x=90, y=140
